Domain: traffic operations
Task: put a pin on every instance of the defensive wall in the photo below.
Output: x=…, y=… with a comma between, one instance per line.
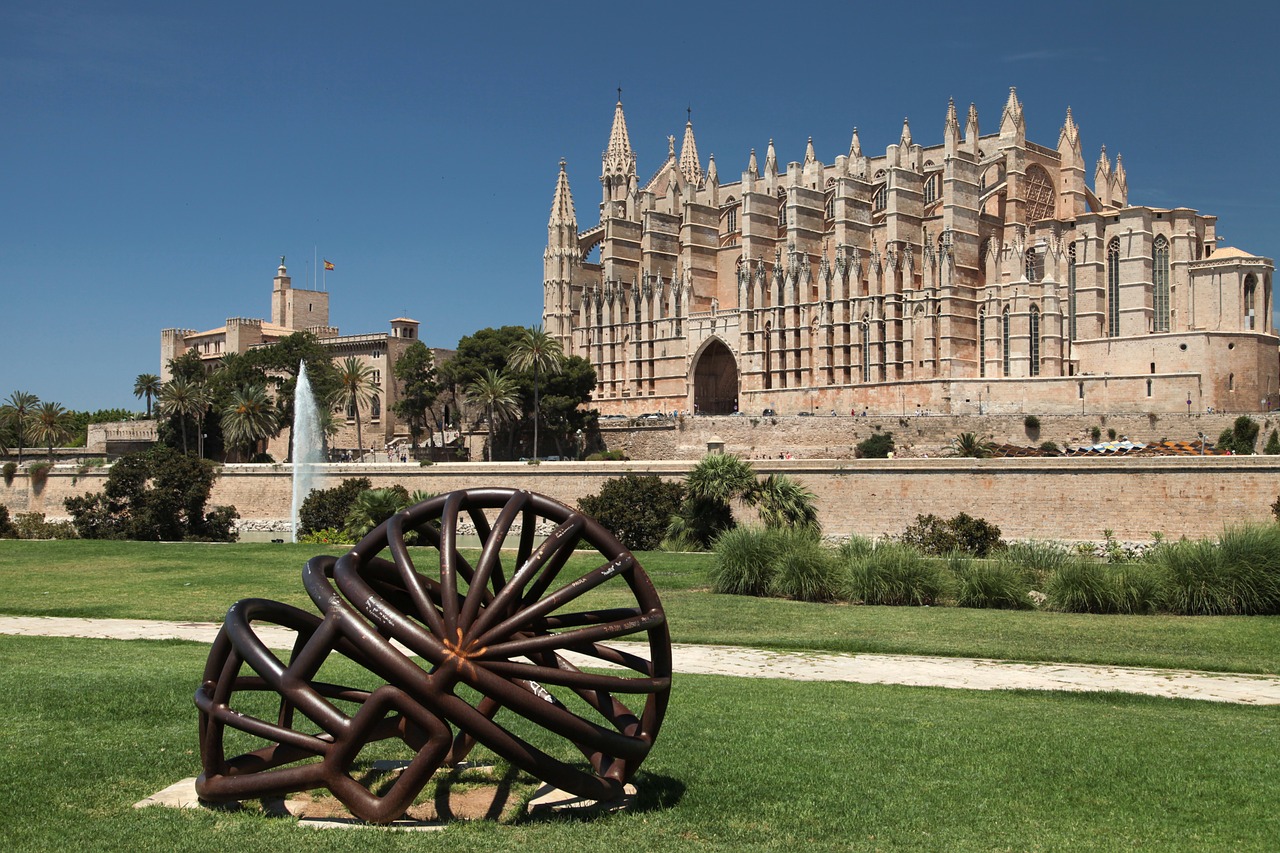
x=1070, y=499
x=823, y=436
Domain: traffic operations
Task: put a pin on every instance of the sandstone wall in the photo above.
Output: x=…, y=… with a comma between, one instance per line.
x=1068, y=499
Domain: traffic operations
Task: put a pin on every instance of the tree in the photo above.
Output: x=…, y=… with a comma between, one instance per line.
x=541, y=353
x=355, y=391
x=710, y=487
x=17, y=410
x=876, y=446
x=181, y=398
x=326, y=509
x=417, y=371
x=146, y=385
x=50, y=425
x=1241, y=438
x=1273, y=444
x=249, y=418
x=156, y=495
x=494, y=391
x=372, y=507
x=969, y=445
x=783, y=502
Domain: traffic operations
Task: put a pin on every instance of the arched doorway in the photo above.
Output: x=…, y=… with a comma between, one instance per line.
x=715, y=381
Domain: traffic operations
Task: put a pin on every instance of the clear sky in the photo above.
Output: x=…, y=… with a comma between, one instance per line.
x=157, y=158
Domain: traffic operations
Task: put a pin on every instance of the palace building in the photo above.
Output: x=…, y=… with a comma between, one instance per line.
x=980, y=274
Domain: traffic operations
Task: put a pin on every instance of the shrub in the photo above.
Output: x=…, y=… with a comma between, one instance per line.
x=993, y=584
x=1049, y=447
x=372, y=507
x=1111, y=435
x=1036, y=562
x=784, y=502
x=1139, y=587
x=1241, y=438
x=745, y=560
x=636, y=509
x=328, y=536
x=1081, y=586
x=895, y=574
x=220, y=525
x=877, y=446
x=39, y=473
x=10, y=469
x=328, y=508
x=806, y=570
x=932, y=535
x=7, y=530
x=1273, y=444
x=1031, y=422
x=1095, y=434
x=32, y=525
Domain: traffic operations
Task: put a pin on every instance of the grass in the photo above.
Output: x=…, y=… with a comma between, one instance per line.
x=198, y=582
x=92, y=726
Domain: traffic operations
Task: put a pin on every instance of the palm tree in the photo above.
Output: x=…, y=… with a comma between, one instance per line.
x=710, y=487
x=248, y=418
x=539, y=352
x=202, y=401
x=146, y=385
x=17, y=410
x=783, y=502
x=50, y=425
x=355, y=390
x=181, y=398
x=968, y=444
x=496, y=392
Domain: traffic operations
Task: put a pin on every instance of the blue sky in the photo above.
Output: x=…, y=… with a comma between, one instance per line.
x=158, y=158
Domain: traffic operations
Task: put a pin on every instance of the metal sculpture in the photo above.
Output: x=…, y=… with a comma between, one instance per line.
x=510, y=633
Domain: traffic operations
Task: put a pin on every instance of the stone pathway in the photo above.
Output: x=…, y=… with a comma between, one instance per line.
x=962, y=673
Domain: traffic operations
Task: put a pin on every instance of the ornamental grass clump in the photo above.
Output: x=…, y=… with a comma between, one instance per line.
x=1036, y=562
x=991, y=584
x=895, y=574
x=1081, y=586
x=1237, y=576
x=745, y=560
x=806, y=569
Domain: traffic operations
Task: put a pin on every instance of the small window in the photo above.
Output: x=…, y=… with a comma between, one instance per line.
x=1148, y=387
x=375, y=408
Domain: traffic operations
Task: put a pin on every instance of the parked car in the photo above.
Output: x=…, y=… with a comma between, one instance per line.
x=768, y=413
x=806, y=414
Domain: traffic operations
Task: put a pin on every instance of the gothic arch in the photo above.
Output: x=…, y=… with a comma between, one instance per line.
x=715, y=378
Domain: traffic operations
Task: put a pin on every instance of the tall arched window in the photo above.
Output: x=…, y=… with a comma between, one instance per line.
x=880, y=200
x=982, y=342
x=866, y=349
x=1250, y=302
x=1113, y=288
x=931, y=189
x=375, y=408
x=1035, y=340
x=1071, y=291
x=1004, y=343
x=1160, y=278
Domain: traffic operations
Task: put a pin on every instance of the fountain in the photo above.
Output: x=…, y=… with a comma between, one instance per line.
x=308, y=444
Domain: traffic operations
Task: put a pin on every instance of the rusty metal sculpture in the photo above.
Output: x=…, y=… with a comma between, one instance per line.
x=451, y=651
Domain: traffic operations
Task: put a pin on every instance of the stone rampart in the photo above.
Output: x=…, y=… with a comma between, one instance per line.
x=1067, y=499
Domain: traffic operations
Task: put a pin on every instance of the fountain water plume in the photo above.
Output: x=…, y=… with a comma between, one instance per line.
x=308, y=444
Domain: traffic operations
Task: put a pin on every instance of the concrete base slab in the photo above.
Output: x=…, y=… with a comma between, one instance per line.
x=551, y=800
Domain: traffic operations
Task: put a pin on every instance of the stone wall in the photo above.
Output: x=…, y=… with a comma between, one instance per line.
x=827, y=437
x=1066, y=499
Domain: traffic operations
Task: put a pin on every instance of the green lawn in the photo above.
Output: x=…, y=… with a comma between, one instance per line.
x=88, y=727
x=199, y=582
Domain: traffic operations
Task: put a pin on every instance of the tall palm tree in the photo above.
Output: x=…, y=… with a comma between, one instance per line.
x=17, y=411
x=496, y=392
x=783, y=502
x=968, y=444
x=50, y=425
x=355, y=391
x=248, y=418
x=537, y=351
x=183, y=399
x=146, y=385
x=202, y=400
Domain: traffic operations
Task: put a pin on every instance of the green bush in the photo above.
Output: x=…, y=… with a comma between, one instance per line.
x=877, y=446
x=806, y=570
x=937, y=537
x=993, y=584
x=7, y=530
x=745, y=560
x=1049, y=447
x=39, y=474
x=328, y=508
x=1273, y=444
x=10, y=470
x=1031, y=422
x=328, y=536
x=1139, y=587
x=1241, y=438
x=372, y=507
x=895, y=574
x=1081, y=586
x=1036, y=562
x=1095, y=434
x=32, y=525
x=636, y=509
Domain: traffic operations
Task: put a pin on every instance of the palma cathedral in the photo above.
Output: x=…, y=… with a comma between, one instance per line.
x=986, y=273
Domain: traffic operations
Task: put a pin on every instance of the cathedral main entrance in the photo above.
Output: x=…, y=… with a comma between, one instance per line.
x=715, y=381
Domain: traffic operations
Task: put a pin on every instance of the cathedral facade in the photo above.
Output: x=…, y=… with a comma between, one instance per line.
x=982, y=274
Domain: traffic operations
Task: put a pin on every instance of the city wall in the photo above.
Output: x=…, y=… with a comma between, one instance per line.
x=825, y=437
x=1067, y=499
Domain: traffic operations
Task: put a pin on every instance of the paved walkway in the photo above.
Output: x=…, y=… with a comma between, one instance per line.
x=965, y=673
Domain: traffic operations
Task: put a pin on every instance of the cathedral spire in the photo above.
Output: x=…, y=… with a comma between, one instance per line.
x=971, y=129
x=809, y=156
x=619, y=159
x=1102, y=179
x=904, y=140
x=1120, y=184
x=951, y=128
x=562, y=213
x=713, y=177
x=689, y=164
x=1011, y=122
x=753, y=168
x=771, y=160
x=855, y=145
x=1070, y=133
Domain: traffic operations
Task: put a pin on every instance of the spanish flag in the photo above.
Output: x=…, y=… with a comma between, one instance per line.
x=328, y=265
